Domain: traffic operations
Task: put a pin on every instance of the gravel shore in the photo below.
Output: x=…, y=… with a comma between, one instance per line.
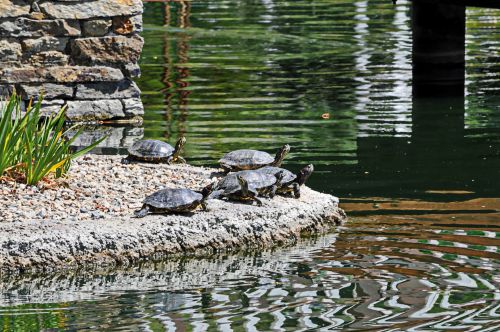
x=97, y=187
x=90, y=220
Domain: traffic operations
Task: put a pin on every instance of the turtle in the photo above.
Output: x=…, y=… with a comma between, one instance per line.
x=265, y=183
x=174, y=201
x=153, y=150
x=239, y=160
x=290, y=183
x=240, y=191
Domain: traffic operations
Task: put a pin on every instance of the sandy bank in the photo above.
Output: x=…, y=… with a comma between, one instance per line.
x=90, y=222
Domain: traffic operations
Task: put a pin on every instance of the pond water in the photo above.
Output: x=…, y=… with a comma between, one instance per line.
x=419, y=178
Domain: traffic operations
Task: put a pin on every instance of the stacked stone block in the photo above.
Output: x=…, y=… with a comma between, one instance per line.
x=78, y=53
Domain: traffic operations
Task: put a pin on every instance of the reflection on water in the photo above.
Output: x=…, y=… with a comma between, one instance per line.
x=232, y=74
x=418, y=177
x=410, y=271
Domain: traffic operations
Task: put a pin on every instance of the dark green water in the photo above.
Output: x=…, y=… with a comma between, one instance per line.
x=419, y=178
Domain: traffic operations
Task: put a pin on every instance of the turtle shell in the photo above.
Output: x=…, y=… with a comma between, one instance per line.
x=256, y=180
x=246, y=159
x=288, y=177
x=173, y=199
x=151, y=149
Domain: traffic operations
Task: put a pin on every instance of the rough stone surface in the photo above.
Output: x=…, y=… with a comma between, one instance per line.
x=124, y=25
x=14, y=8
x=59, y=74
x=37, y=15
x=48, y=107
x=91, y=9
x=49, y=58
x=25, y=27
x=107, y=50
x=51, y=107
x=133, y=107
x=10, y=50
x=116, y=137
x=43, y=44
x=131, y=70
x=122, y=89
x=95, y=28
x=105, y=233
x=49, y=90
x=94, y=110
x=92, y=44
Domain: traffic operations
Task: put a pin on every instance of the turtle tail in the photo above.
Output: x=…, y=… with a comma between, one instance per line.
x=142, y=212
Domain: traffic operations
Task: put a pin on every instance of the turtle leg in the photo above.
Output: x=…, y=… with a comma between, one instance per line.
x=126, y=160
x=296, y=190
x=169, y=160
x=204, y=206
x=181, y=160
x=272, y=191
x=142, y=212
x=259, y=202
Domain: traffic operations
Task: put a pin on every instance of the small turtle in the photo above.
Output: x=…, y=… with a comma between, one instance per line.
x=252, y=159
x=265, y=183
x=153, y=150
x=174, y=201
x=240, y=191
x=290, y=182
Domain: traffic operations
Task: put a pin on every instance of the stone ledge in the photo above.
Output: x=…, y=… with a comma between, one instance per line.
x=91, y=9
x=94, y=110
x=25, y=27
x=107, y=50
x=108, y=90
x=48, y=90
x=62, y=74
x=121, y=239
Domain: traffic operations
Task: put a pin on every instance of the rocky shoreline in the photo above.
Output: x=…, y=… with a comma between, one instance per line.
x=89, y=220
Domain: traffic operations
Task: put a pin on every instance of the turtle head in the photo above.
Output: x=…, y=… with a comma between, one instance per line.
x=178, y=146
x=243, y=184
x=304, y=174
x=206, y=191
x=280, y=155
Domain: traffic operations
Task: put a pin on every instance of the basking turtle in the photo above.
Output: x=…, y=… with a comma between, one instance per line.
x=265, y=183
x=174, y=201
x=252, y=159
x=239, y=191
x=153, y=150
x=290, y=182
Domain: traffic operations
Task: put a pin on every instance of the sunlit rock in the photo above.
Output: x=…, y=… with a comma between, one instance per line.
x=14, y=8
x=59, y=74
x=107, y=50
x=90, y=9
x=94, y=110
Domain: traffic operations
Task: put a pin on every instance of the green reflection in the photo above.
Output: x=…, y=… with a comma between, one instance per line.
x=333, y=81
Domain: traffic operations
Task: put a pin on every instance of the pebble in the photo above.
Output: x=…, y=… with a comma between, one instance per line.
x=97, y=187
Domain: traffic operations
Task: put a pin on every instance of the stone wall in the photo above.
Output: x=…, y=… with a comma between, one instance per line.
x=78, y=53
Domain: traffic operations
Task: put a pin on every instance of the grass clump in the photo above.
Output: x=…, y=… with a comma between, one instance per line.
x=34, y=146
